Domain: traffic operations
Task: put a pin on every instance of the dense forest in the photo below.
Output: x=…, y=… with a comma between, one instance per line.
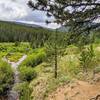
x=11, y=32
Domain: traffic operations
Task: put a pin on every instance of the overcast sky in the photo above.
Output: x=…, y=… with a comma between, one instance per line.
x=18, y=10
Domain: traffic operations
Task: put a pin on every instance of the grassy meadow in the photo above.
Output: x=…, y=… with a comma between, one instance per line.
x=37, y=71
x=53, y=59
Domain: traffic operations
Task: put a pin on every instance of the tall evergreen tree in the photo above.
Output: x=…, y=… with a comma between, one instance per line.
x=76, y=13
x=56, y=45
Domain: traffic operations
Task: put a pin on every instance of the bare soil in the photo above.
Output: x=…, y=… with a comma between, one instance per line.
x=78, y=90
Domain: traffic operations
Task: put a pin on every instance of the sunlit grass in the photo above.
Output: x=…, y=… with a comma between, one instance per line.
x=68, y=66
x=14, y=57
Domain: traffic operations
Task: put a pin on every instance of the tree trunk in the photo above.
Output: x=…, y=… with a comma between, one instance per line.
x=56, y=66
x=56, y=54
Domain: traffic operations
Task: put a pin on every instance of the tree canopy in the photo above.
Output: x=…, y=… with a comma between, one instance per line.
x=76, y=13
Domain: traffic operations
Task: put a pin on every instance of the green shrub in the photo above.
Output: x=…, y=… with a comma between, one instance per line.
x=2, y=48
x=86, y=57
x=71, y=49
x=17, y=43
x=70, y=65
x=35, y=58
x=14, y=57
x=97, y=69
x=27, y=73
x=24, y=91
x=6, y=77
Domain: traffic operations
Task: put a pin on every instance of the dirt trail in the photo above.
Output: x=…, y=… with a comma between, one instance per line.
x=15, y=66
x=13, y=95
x=78, y=90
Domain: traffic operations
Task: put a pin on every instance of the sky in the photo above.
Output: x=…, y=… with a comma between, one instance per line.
x=18, y=10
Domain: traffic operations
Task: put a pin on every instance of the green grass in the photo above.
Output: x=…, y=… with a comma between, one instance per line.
x=68, y=66
x=6, y=77
x=13, y=52
x=27, y=73
x=68, y=69
x=35, y=58
x=14, y=57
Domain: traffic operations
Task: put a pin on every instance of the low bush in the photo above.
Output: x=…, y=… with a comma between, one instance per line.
x=86, y=58
x=17, y=43
x=24, y=91
x=71, y=49
x=6, y=77
x=27, y=73
x=14, y=57
x=35, y=58
x=97, y=69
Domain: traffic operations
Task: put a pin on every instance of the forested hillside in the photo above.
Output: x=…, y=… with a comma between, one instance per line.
x=11, y=32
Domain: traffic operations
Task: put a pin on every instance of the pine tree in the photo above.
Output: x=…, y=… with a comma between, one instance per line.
x=79, y=14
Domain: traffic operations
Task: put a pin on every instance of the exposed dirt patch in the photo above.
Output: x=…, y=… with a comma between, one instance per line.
x=79, y=90
x=98, y=48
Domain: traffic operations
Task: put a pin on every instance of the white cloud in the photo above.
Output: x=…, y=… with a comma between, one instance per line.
x=11, y=9
x=43, y=24
x=97, y=20
x=18, y=10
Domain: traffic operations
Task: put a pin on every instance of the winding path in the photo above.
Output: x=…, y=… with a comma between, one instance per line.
x=13, y=95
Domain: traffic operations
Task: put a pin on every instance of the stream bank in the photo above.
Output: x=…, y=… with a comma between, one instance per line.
x=12, y=94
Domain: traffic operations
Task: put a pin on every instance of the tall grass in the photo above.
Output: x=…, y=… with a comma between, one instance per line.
x=35, y=58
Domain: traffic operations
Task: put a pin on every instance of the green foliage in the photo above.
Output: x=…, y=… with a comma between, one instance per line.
x=78, y=19
x=14, y=53
x=11, y=48
x=24, y=91
x=14, y=57
x=17, y=43
x=55, y=46
x=27, y=73
x=6, y=77
x=97, y=69
x=73, y=69
x=69, y=64
x=71, y=49
x=56, y=40
x=35, y=58
x=54, y=83
x=12, y=32
x=86, y=57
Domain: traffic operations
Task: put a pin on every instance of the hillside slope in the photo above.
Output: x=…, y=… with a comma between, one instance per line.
x=11, y=31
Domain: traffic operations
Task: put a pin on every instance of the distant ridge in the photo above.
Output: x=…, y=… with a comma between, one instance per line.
x=63, y=29
x=92, y=25
x=27, y=24
x=22, y=23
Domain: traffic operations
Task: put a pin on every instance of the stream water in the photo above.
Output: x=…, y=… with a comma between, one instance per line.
x=13, y=95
